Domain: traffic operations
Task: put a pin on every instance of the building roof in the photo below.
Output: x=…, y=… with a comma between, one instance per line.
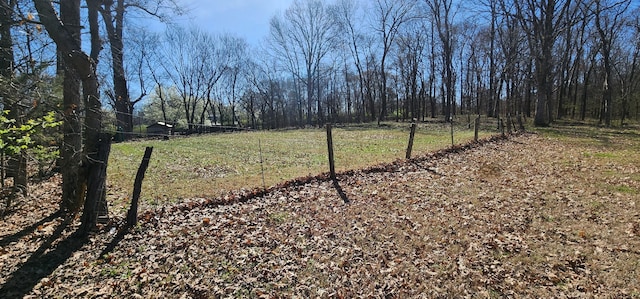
x=161, y=124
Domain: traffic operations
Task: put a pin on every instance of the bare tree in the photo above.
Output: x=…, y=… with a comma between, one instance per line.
x=235, y=76
x=194, y=62
x=492, y=96
x=543, y=21
x=432, y=72
x=585, y=59
x=113, y=14
x=442, y=17
x=184, y=66
x=152, y=62
x=608, y=18
x=389, y=16
x=565, y=64
x=628, y=72
x=345, y=14
x=301, y=39
x=511, y=47
x=265, y=92
x=410, y=53
x=139, y=68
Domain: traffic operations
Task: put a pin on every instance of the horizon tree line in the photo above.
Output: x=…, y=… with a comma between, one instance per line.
x=364, y=61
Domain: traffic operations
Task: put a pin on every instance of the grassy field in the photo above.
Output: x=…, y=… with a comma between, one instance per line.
x=604, y=147
x=211, y=165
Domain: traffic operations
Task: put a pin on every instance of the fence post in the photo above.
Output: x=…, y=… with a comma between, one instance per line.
x=451, y=123
x=95, y=204
x=475, y=129
x=411, y=136
x=264, y=186
x=132, y=214
x=332, y=167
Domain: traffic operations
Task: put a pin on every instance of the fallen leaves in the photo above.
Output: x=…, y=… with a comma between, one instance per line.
x=510, y=218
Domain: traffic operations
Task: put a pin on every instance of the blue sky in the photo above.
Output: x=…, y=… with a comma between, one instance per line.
x=245, y=18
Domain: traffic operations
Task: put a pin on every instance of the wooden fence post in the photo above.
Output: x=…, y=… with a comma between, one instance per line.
x=411, y=136
x=264, y=186
x=451, y=120
x=476, y=128
x=132, y=214
x=332, y=167
x=95, y=205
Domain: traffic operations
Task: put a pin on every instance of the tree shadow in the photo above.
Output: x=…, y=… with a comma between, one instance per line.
x=426, y=168
x=8, y=239
x=114, y=242
x=343, y=195
x=41, y=264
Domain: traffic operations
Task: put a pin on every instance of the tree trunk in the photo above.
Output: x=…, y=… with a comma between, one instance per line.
x=544, y=68
x=82, y=67
x=17, y=164
x=72, y=185
x=95, y=204
x=383, y=89
x=114, y=26
x=6, y=41
x=492, y=63
x=544, y=93
x=94, y=29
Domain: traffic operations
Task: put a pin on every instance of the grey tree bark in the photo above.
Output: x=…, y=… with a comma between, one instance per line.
x=83, y=67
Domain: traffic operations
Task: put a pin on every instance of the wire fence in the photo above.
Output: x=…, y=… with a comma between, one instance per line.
x=211, y=165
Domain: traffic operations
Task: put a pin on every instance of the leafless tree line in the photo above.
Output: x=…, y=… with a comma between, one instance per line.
x=361, y=61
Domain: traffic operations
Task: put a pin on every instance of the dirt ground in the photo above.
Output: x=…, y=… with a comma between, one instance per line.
x=527, y=217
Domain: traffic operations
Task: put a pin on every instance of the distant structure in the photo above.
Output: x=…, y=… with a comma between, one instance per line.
x=160, y=129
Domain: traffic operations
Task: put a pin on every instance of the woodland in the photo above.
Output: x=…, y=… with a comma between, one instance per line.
x=76, y=76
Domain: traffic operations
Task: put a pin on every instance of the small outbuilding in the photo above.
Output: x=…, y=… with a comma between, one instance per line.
x=160, y=129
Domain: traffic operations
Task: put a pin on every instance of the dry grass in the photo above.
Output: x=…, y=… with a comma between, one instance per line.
x=212, y=165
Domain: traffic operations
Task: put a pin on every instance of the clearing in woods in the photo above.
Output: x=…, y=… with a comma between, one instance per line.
x=555, y=214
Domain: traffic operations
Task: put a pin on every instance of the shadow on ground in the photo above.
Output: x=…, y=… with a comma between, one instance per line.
x=42, y=262
x=8, y=239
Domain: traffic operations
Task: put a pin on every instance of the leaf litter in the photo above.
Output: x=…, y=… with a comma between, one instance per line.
x=524, y=217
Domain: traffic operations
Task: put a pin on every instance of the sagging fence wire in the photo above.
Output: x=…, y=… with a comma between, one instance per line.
x=212, y=164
